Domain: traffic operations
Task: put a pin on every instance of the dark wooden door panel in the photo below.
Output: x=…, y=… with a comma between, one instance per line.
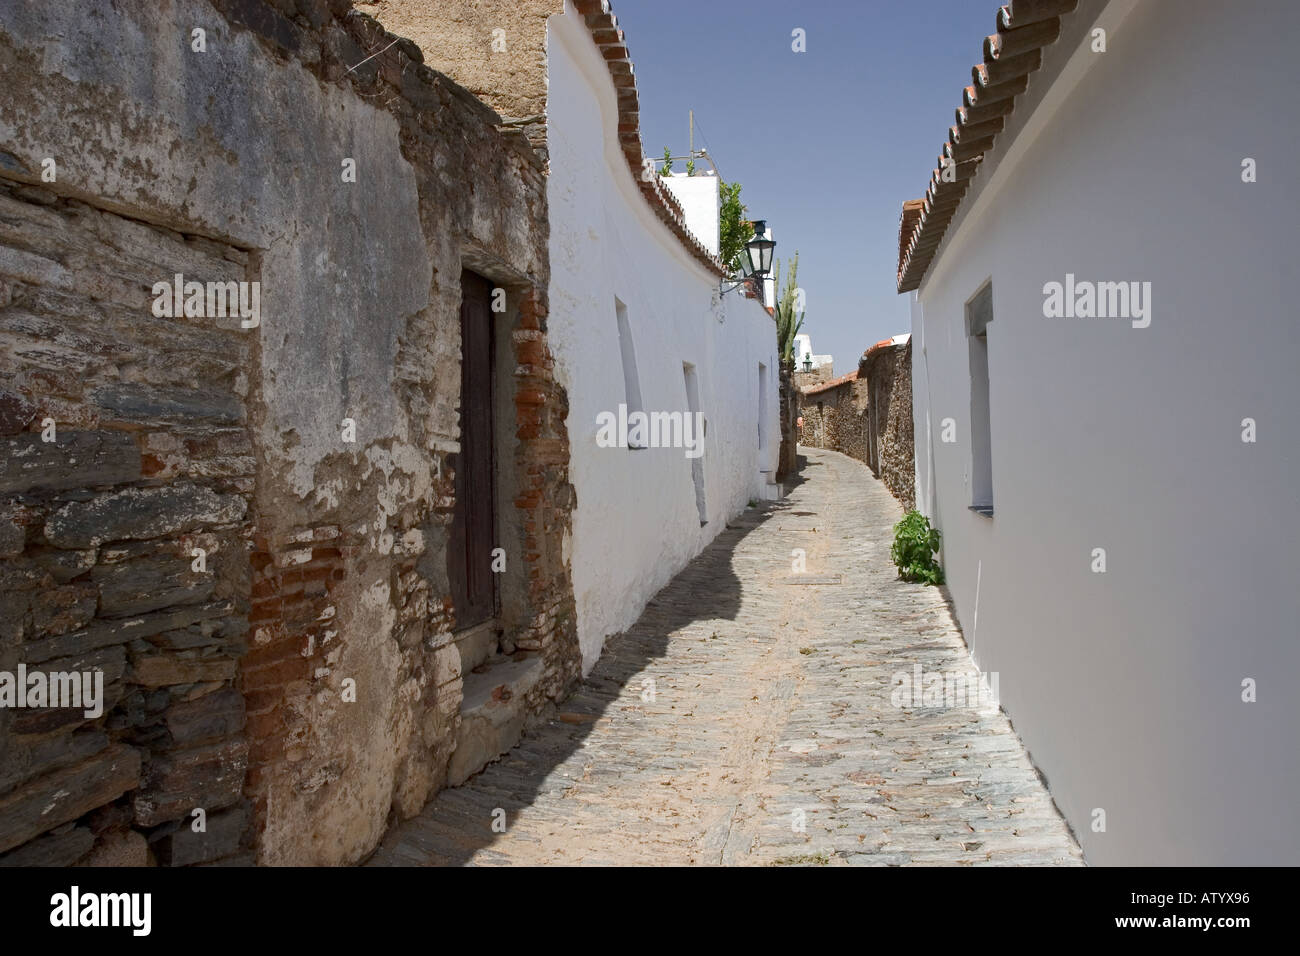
x=469, y=558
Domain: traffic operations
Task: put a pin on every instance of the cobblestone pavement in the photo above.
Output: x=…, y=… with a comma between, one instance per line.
x=770, y=736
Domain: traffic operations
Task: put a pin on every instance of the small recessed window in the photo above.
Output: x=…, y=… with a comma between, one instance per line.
x=979, y=315
x=697, y=462
x=631, y=379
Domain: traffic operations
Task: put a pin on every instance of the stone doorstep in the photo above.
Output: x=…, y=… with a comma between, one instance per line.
x=491, y=723
x=476, y=644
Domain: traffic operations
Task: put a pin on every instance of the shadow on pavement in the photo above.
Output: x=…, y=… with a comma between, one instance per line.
x=457, y=823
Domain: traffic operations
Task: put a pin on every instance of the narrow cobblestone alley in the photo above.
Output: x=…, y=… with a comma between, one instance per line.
x=747, y=719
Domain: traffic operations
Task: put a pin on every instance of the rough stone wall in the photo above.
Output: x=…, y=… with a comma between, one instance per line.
x=815, y=376
x=813, y=433
x=125, y=447
x=889, y=372
x=880, y=399
x=326, y=557
x=849, y=427
x=497, y=51
x=836, y=418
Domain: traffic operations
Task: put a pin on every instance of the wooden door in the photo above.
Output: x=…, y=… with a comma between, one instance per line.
x=469, y=558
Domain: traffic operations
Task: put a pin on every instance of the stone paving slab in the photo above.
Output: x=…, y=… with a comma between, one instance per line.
x=745, y=722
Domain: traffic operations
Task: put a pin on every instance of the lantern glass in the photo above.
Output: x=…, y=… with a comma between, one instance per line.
x=758, y=255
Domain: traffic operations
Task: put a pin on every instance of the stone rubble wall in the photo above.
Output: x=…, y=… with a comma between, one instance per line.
x=836, y=419
x=231, y=689
x=497, y=51
x=889, y=372
x=814, y=376
x=880, y=399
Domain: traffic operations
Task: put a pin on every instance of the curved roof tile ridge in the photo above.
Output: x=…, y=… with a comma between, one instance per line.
x=609, y=40
x=844, y=379
x=1013, y=52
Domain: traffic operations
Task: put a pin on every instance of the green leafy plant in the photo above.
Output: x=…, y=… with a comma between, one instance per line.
x=667, y=169
x=734, y=230
x=914, y=549
x=788, y=323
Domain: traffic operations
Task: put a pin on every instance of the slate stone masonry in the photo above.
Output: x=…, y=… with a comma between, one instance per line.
x=149, y=464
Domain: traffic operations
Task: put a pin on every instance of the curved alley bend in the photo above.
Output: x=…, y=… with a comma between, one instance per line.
x=756, y=716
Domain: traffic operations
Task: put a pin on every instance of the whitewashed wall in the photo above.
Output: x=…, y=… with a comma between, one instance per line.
x=636, y=523
x=1126, y=686
x=803, y=349
x=699, y=198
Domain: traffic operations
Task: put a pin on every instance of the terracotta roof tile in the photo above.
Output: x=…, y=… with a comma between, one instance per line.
x=882, y=344
x=1024, y=27
x=833, y=383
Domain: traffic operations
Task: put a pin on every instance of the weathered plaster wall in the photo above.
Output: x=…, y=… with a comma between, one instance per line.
x=636, y=522
x=233, y=158
x=1126, y=685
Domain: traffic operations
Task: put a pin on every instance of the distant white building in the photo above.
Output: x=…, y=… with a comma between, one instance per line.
x=803, y=354
x=700, y=199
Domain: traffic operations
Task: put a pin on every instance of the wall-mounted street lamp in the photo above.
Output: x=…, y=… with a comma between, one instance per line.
x=757, y=262
x=807, y=362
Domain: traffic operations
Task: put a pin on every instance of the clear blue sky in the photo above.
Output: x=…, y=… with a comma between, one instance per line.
x=843, y=134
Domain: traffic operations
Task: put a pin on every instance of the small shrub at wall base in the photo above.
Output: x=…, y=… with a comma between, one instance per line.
x=914, y=549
